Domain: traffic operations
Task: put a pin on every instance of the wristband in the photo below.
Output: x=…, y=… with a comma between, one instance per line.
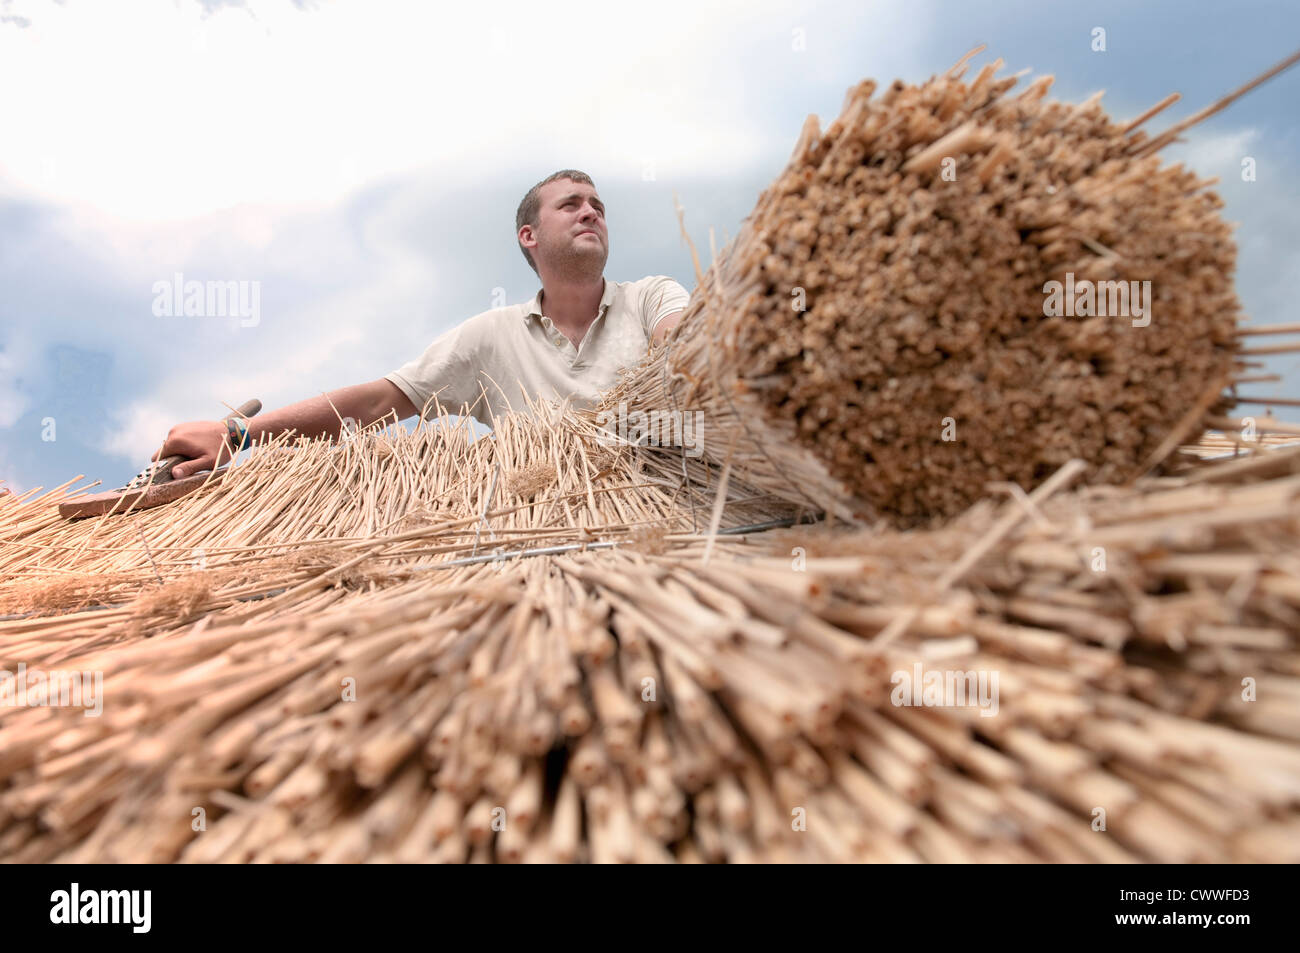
x=237, y=434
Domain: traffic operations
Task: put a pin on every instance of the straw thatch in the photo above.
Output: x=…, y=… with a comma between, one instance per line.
x=520, y=684
x=540, y=647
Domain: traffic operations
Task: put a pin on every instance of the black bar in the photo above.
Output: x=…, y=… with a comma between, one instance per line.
x=962, y=905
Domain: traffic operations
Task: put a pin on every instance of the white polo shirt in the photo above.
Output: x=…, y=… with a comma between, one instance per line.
x=489, y=363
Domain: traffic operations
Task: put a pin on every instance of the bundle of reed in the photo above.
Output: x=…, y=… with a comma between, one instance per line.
x=949, y=287
x=665, y=694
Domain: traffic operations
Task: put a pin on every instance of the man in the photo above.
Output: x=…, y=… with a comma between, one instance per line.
x=570, y=341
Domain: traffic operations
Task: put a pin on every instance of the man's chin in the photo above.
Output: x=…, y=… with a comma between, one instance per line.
x=584, y=262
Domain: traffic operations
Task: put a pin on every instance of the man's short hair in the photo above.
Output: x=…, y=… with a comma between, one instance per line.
x=530, y=208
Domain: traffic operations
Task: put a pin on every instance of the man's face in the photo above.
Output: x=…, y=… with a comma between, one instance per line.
x=571, y=234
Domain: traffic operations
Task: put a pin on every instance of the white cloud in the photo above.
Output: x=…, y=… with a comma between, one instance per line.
x=152, y=111
x=329, y=340
x=1214, y=155
x=139, y=430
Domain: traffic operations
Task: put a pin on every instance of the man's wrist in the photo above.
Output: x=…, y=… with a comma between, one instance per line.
x=238, y=435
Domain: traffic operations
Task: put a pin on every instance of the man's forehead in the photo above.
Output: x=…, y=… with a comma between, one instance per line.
x=566, y=188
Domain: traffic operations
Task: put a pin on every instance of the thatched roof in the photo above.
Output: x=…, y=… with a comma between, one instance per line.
x=1056, y=637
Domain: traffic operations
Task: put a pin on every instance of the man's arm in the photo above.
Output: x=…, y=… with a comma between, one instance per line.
x=202, y=440
x=666, y=324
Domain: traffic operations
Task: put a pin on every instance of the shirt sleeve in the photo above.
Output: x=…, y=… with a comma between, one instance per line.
x=448, y=369
x=660, y=297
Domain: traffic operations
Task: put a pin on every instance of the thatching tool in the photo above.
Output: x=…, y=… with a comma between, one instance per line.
x=152, y=486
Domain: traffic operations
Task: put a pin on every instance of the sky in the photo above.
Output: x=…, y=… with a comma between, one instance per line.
x=361, y=162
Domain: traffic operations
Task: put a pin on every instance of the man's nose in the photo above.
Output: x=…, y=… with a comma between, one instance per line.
x=588, y=214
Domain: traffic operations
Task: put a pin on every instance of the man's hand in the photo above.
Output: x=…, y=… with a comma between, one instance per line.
x=199, y=440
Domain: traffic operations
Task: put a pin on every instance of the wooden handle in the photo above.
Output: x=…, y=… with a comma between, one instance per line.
x=248, y=408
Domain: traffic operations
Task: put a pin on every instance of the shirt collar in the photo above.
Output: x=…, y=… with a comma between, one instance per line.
x=606, y=299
